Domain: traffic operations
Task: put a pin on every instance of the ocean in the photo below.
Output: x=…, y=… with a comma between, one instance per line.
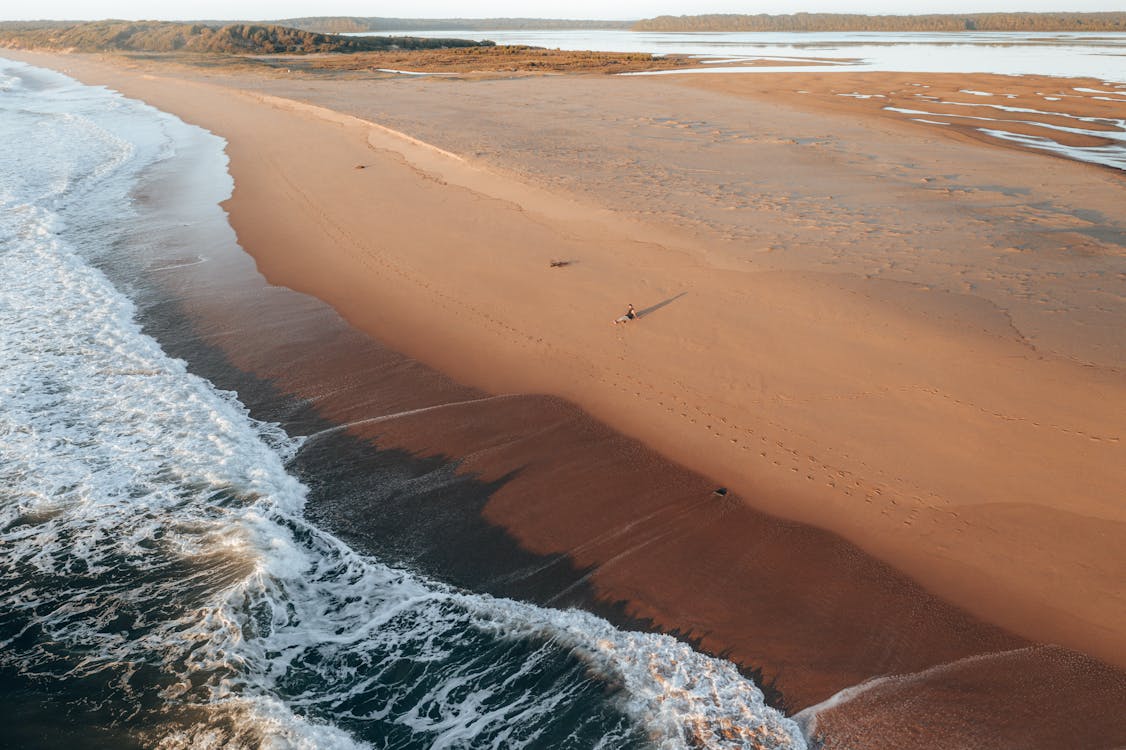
x=162, y=585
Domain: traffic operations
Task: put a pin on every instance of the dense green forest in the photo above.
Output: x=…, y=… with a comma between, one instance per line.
x=352, y=24
x=166, y=36
x=850, y=22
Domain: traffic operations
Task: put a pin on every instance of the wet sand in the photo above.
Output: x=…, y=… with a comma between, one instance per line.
x=868, y=382
x=980, y=705
x=1080, y=119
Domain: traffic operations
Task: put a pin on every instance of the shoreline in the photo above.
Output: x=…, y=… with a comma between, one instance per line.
x=402, y=318
x=388, y=437
x=415, y=310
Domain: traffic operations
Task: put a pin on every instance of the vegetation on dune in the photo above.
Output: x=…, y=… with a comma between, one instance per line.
x=355, y=24
x=856, y=22
x=238, y=38
x=501, y=59
x=244, y=47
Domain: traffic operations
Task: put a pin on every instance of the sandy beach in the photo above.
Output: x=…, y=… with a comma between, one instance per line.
x=896, y=343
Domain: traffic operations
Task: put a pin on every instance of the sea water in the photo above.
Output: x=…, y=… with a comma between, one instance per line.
x=159, y=584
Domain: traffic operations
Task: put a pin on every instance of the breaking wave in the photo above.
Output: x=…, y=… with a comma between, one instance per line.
x=158, y=576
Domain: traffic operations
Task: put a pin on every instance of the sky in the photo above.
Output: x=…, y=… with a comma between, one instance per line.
x=621, y=9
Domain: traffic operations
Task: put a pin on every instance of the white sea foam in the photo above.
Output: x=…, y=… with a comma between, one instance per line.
x=151, y=534
x=686, y=699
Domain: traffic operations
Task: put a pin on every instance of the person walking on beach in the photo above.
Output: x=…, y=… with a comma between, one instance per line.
x=630, y=315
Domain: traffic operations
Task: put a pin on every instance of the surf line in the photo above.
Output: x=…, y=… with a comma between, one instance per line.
x=807, y=718
x=408, y=413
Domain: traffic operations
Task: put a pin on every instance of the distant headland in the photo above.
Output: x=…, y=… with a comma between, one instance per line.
x=1059, y=21
x=235, y=38
x=856, y=22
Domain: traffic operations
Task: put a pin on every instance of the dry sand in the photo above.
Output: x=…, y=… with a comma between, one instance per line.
x=900, y=334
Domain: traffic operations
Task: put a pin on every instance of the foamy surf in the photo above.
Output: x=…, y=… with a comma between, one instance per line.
x=159, y=578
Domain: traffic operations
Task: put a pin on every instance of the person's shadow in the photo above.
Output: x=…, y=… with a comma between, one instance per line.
x=659, y=305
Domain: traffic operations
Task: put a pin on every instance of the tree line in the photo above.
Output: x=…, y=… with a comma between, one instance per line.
x=1112, y=21
x=237, y=38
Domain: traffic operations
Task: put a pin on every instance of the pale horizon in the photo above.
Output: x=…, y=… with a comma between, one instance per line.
x=581, y=10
